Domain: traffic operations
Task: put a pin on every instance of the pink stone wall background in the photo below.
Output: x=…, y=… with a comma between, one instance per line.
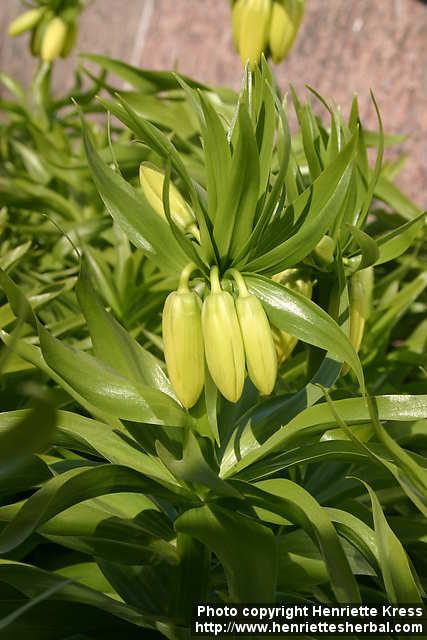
x=345, y=46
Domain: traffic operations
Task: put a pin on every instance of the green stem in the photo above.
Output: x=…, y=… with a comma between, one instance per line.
x=241, y=285
x=215, y=283
x=185, y=277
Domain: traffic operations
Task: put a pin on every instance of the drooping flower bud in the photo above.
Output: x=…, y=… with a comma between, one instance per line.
x=323, y=252
x=236, y=21
x=284, y=342
x=25, y=22
x=360, y=303
x=254, y=22
x=54, y=39
x=38, y=32
x=152, y=180
x=223, y=341
x=70, y=40
x=261, y=359
x=286, y=18
x=183, y=342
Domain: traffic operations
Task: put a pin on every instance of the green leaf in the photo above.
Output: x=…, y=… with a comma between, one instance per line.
x=30, y=435
x=144, y=227
x=217, y=157
x=396, y=242
x=292, y=312
x=106, y=389
x=143, y=80
x=44, y=595
x=398, y=579
x=70, y=488
x=234, y=220
x=114, y=345
x=245, y=548
x=313, y=212
x=386, y=191
x=32, y=582
x=193, y=467
x=319, y=418
x=369, y=251
x=291, y=501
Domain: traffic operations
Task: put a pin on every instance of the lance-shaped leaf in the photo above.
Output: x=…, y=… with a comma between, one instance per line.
x=106, y=389
x=293, y=502
x=292, y=312
x=317, y=419
x=245, y=548
x=398, y=578
x=144, y=80
x=396, y=242
x=70, y=488
x=131, y=210
x=314, y=212
x=33, y=582
x=27, y=436
x=114, y=345
x=234, y=220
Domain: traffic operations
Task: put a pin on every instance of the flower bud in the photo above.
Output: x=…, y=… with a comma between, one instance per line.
x=54, y=39
x=236, y=21
x=223, y=341
x=260, y=352
x=360, y=302
x=323, y=252
x=25, y=22
x=286, y=18
x=183, y=345
x=253, y=34
x=284, y=342
x=152, y=179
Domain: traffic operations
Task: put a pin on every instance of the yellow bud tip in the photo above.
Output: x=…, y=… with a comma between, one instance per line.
x=254, y=23
x=152, y=181
x=53, y=40
x=25, y=22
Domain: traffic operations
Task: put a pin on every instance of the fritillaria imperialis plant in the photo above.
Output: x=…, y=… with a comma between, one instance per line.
x=254, y=466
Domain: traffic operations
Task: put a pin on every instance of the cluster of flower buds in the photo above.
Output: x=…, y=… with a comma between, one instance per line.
x=52, y=34
x=265, y=26
x=232, y=334
x=152, y=181
x=297, y=281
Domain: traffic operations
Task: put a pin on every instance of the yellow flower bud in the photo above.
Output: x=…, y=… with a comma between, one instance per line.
x=284, y=342
x=54, y=39
x=223, y=341
x=360, y=302
x=254, y=26
x=183, y=343
x=152, y=179
x=260, y=352
x=286, y=18
x=25, y=22
x=236, y=21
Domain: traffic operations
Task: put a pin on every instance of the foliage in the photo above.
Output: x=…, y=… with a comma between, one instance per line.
x=119, y=505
